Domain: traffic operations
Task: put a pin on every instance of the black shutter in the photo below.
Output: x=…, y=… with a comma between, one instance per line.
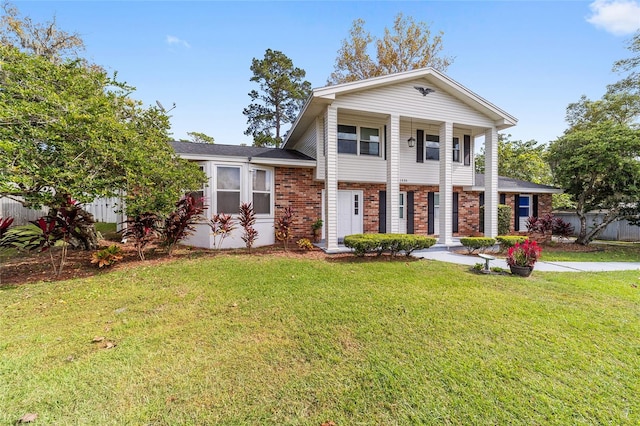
x=384, y=139
x=467, y=150
x=481, y=213
x=430, y=213
x=503, y=198
x=382, y=213
x=516, y=207
x=455, y=212
x=410, y=213
x=420, y=146
x=535, y=205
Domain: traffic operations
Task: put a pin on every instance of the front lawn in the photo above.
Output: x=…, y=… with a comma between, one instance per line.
x=288, y=340
x=594, y=252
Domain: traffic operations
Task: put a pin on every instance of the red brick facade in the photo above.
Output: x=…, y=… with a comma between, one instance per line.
x=296, y=187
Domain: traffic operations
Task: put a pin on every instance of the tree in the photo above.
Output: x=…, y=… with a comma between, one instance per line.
x=598, y=166
x=282, y=94
x=621, y=107
x=408, y=45
x=519, y=160
x=68, y=130
x=630, y=83
x=40, y=39
x=198, y=137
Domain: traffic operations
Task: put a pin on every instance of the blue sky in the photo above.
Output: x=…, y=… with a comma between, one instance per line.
x=529, y=58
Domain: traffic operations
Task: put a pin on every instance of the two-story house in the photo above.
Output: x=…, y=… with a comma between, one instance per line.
x=391, y=154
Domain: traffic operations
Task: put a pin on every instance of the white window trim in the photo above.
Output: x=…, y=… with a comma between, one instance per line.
x=271, y=192
x=359, y=136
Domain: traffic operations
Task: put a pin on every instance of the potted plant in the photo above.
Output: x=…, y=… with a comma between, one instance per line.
x=317, y=230
x=522, y=256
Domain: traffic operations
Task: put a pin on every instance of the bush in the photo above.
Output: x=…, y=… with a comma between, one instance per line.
x=508, y=241
x=107, y=256
x=284, y=226
x=474, y=243
x=180, y=223
x=504, y=218
x=304, y=244
x=391, y=243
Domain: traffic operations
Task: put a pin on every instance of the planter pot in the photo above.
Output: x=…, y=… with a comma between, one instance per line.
x=521, y=271
x=317, y=235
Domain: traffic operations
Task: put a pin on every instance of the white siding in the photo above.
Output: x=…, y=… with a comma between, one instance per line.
x=307, y=144
x=362, y=168
x=404, y=100
x=320, y=149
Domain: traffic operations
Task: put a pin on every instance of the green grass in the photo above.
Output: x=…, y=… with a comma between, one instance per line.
x=602, y=252
x=267, y=340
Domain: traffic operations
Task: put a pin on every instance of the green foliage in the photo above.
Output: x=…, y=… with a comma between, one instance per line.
x=391, y=243
x=107, y=256
x=317, y=225
x=508, y=241
x=70, y=130
x=477, y=243
x=199, y=137
x=282, y=94
x=504, y=219
x=408, y=45
x=304, y=244
x=519, y=160
x=631, y=82
x=598, y=167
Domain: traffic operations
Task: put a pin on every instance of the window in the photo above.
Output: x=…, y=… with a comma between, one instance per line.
x=227, y=189
x=523, y=207
x=347, y=140
x=198, y=196
x=456, y=150
x=401, y=205
x=432, y=147
x=369, y=141
x=358, y=141
x=261, y=187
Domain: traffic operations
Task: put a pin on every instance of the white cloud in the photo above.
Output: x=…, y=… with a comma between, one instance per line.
x=619, y=17
x=173, y=41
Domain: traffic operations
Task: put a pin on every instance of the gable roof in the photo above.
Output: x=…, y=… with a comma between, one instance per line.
x=254, y=154
x=506, y=184
x=322, y=96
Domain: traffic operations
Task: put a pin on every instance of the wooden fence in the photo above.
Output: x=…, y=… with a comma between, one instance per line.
x=102, y=209
x=620, y=230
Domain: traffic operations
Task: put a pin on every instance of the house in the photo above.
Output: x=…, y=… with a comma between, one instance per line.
x=390, y=154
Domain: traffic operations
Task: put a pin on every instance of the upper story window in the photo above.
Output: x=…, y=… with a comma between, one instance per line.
x=456, y=150
x=432, y=147
x=227, y=189
x=358, y=140
x=261, y=189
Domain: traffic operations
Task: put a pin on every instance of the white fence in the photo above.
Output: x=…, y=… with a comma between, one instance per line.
x=620, y=230
x=102, y=209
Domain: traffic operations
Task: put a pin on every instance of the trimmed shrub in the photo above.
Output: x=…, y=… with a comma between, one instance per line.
x=477, y=243
x=391, y=243
x=508, y=241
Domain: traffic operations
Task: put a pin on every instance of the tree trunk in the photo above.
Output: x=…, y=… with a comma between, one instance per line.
x=586, y=236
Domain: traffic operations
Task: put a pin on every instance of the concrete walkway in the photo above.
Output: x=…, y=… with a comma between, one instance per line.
x=444, y=255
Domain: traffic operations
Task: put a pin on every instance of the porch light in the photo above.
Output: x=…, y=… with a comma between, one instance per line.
x=411, y=141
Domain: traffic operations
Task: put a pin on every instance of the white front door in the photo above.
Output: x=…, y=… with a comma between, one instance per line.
x=524, y=211
x=349, y=213
x=402, y=214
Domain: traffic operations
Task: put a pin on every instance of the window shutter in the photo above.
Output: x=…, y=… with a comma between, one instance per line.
x=503, y=198
x=535, y=205
x=480, y=212
x=467, y=150
x=410, y=213
x=382, y=213
x=455, y=212
x=431, y=213
x=516, y=221
x=420, y=146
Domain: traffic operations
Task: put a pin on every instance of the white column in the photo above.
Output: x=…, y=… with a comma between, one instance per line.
x=393, y=175
x=331, y=178
x=491, y=198
x=446, y=183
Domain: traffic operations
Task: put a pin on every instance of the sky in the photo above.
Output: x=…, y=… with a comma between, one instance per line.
x=529, y=58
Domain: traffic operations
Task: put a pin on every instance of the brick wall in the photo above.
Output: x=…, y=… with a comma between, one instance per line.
x=544, y=206
x=296, y=188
